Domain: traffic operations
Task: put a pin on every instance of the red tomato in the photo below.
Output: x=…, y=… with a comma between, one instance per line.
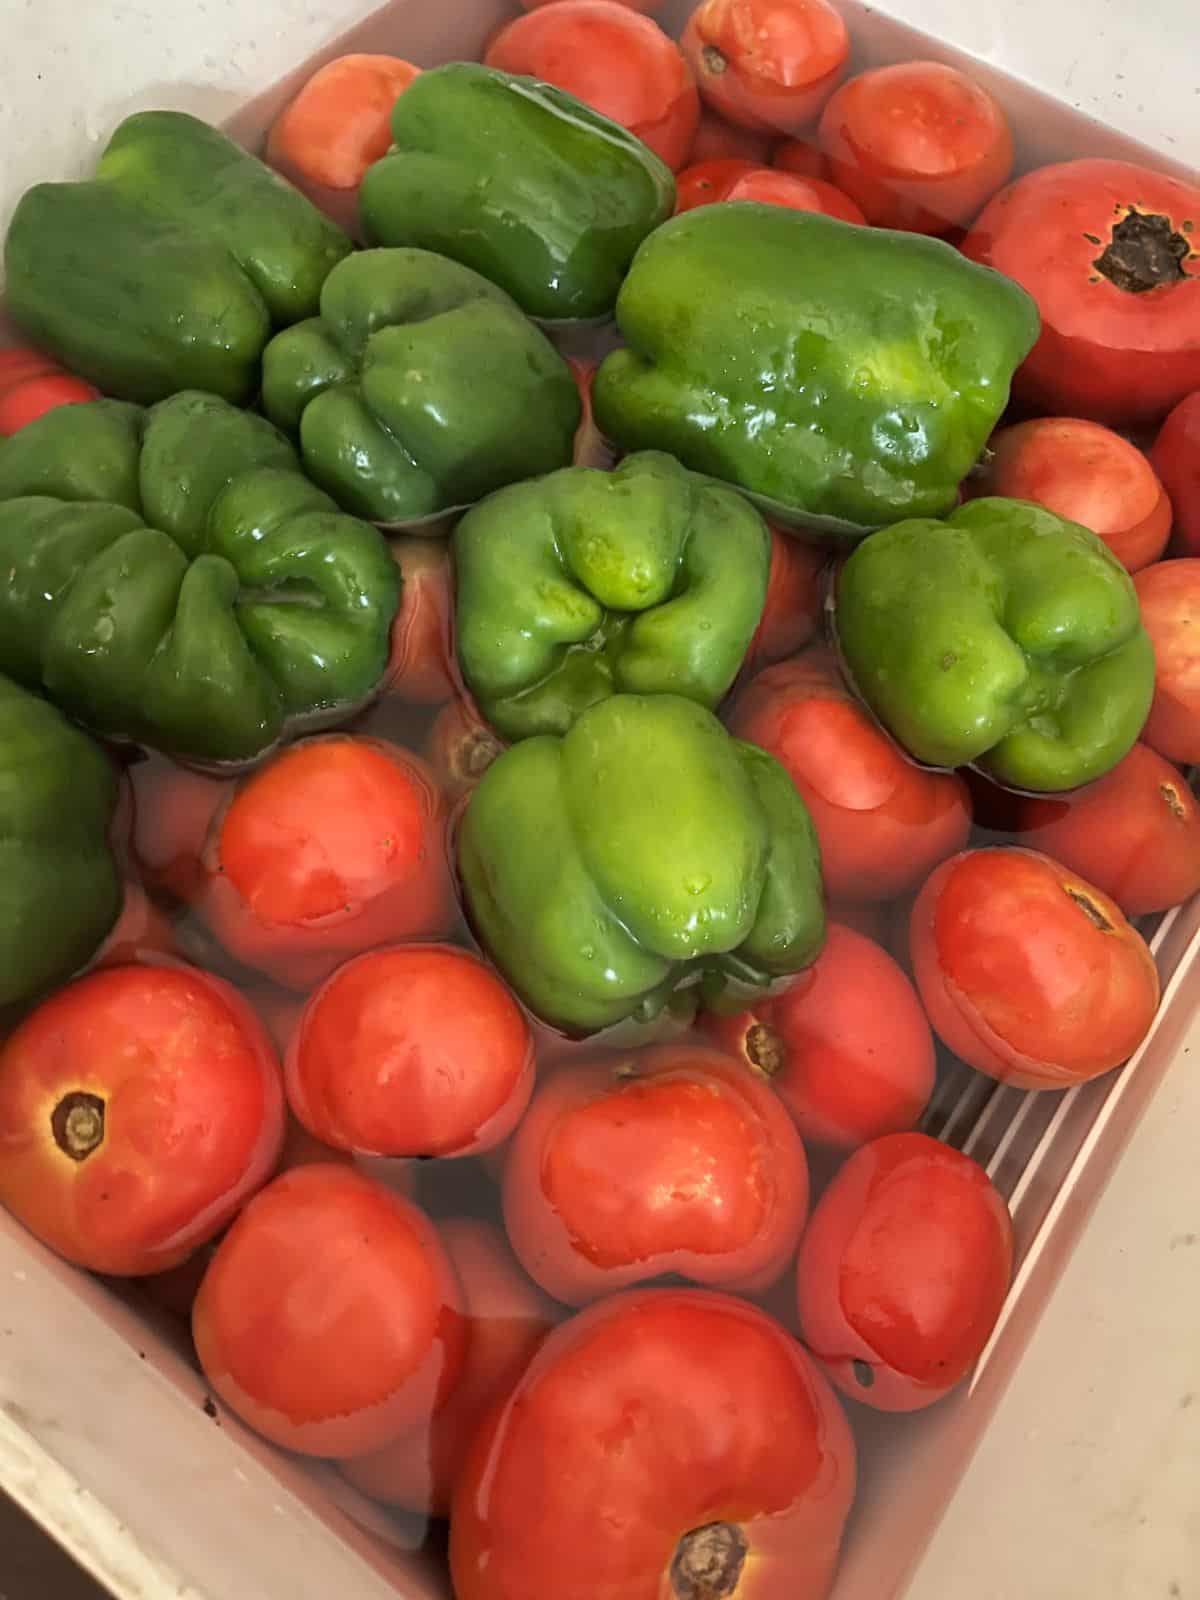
x=335, y=846
x=339, y=123
x=707, y=181
x=1086, y=473
x=1109, y=252
x=173, y=810
x=675, y=1159
x=619, y=63
x=32, y=397
x=141, y=931
x=718, y=140
x=792, y=612
x=919, y=145
x=871, y=918
x=1134, y=833
x=1027, y=972
x=418, y=1050
x=882, y=822
x=139, y=1108
x=460, y=749
x=663, y=1445
x=772, y=188
x=769, y=65
x=1169, y=593
x=903, y=1272
x=330, y=1318
x=1176, y=459
x=846, y=1046
x=806, y=160
x=420, y=668
x=633, y=5
x=592, y=449
x=18, y=363
x=507, y=1320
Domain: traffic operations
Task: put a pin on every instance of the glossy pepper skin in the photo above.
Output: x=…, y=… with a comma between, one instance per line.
x=168, y=269
x=421, y=386
x=647, y=580
x=520, y=181
x=642, y=852
x=60, y=890
x=849, y=376
x=172, y=577
x=1005, y=637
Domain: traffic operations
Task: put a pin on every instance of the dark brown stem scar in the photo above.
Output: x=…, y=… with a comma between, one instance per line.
x=1090, y=909
x=77, y=1123
x=864, y=1374
x=708, y=1562
x=1172, y=800
x=763, y=1049
x=1145, y=253
x=714, y=61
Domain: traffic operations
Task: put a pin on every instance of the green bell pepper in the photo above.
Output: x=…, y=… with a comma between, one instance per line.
x=169, y=268
x=849, y=376
x=172, y=577
x=1004, y=637
x=584, y=584
x=524, y=183
x=60, y=891
x=642, y=853
x=420, y=387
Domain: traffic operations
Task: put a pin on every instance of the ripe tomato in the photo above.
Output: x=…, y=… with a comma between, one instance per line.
x=330, y=1318
x=718, y=140
x=619, y=63
x=903, y=1272
x=1109, y=252
x=420, y=667
x=1134, y=833
x=846, y=1047
x=1176, y=458
x=633, y=5
x=173, y=810
x=882, y=822
x=460, y=749
x=24, y=402
x=769, y=65
x=142, y=931
x=335, y=846
x=507, y=1319
x=592, y=449
x=801, y=156
x=675, y=1159
x=1027, y=972
x=416, y=1050
x=1085, y=473
x=139, y=1107
x=707, y=181
x=773, y=188
x=792, y=612
x=919, y=145
x=339, y=124
x=664, y=1445
x=1169, y=593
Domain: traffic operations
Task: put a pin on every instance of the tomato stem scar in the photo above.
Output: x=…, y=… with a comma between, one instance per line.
x=713, y=60
x=1171, y=797
x=708, y=1562
x=763, y=1049
x=1145, y=252
x=77, y=1123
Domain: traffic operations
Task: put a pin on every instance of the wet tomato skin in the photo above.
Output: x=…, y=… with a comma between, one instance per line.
x=460, y=747
x=903, y=1272
x=640, y=1422
x=330, y=1318
x=766, y=65
x=140, y=1107
x=1027, y=972
x=420, y=664
x=675, y=1160
x=1175, y=456
x=1169, y=595
x=718, y=140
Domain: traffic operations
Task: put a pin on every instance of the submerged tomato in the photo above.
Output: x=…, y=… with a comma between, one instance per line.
x=1176, y=459
x=1109, y=251
x=718, y=140
x=335, y=846
x=706, y=182
x=919, y=145
x=903, y=1272
x=801, y=156
x=507, y=1319
x=882, y=822
x=792, y=611
x=419, y=667
x=416, y=1050
x=1169, y=594
x=675, y=1160
x=1085, y=473
x=460, y=748
x=769, y=65
x=1134, y=833
x=330, y=1318
x=663, y=1445
x=31, y=384
x=139, y=1108
x=772, y=188
x=141, y=932
x=846, y=1046
x=173, y=810
x=1028, y=972
x=619, y=63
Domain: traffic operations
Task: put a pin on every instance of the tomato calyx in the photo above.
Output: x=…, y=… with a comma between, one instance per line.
x=1144, y=253
x=764, y=1049
x=77, y=1123
x=1089, y=908
x=714, y=61
x=708, y=1562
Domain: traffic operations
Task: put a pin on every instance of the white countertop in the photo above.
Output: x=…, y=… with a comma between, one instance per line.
x=1087, y=1486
